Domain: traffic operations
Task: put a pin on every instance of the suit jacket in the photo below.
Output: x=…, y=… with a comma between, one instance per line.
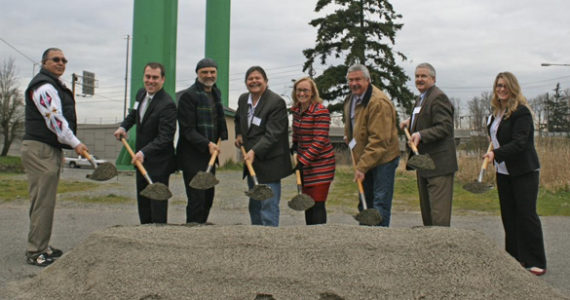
x=192, y=151
x=434, y=122
x=155, y=134
x=516, y=137
x=269, y=139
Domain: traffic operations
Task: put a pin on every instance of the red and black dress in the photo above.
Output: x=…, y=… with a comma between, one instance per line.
x=316, y=154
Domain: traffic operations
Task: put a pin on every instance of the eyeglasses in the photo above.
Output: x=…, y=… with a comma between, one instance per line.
x=58, y=59
x=302, y=91
x=500, y=86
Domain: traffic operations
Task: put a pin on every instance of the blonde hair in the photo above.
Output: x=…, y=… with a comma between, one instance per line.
x=516, y=97
x=315, y=98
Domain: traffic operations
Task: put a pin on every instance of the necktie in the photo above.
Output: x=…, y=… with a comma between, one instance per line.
x=414, y=115
x=144, y=105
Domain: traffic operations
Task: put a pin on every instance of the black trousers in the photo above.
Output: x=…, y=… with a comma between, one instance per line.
x=199, y=201
x=523, y=230
x=316, y=214
x=151, y=211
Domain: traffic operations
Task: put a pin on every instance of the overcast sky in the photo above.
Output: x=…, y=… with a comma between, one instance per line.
x=467, y=41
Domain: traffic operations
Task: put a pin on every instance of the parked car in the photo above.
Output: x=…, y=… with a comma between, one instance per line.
x=80, y=161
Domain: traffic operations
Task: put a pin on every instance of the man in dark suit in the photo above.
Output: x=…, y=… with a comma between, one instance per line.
x=262, y=127
x=432, y=132
x=202, y=122
x=154, y=113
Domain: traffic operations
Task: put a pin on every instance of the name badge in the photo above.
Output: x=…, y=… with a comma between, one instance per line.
x=136, y=106
x=256, y=121
x=417, y=110
x=352, y=144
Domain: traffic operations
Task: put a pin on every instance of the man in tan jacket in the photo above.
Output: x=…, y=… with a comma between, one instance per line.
x=370, y=131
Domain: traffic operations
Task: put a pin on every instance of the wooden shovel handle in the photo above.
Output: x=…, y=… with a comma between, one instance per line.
x=359, y=182
x=410, y=143
x=137, y=163
x=486, y=160
x=89, y=158
x=215, y=154
x=297, y=171
x=247, y=162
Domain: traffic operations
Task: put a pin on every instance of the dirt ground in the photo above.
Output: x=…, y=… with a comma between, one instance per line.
x=109, y=256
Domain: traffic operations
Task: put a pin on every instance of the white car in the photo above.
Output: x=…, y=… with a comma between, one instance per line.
x=80, y=161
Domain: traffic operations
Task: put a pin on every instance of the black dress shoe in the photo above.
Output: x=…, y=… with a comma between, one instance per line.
x=40, y=260
x=53, y=252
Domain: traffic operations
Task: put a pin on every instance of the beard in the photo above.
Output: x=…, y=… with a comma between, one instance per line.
x=207, y=82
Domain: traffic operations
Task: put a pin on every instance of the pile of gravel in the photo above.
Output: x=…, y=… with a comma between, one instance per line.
x=297, y=262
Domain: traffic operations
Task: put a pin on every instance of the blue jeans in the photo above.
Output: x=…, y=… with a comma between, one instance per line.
x=378, y=186
x=265, y=212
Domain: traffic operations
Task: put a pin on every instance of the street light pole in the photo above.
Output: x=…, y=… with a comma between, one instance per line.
x=549, y=64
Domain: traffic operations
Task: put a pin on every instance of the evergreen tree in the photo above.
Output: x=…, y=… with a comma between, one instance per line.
x=557, y=107
x=363, y=32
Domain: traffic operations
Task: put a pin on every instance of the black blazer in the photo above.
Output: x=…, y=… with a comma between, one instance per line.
x=434, y=122
x=155, y=135
x=516, y=137
x=269, y=139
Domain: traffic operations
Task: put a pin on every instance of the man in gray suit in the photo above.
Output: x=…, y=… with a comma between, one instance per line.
x=261, y=126
x=431, y=126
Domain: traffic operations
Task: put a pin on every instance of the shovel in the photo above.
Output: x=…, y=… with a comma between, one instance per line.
x=368, y=216
x=259, y=192
x=206, y=180
x=300, y=201
x=154, y=191
x=418, y=161
x=479, y=187
x=102, y=172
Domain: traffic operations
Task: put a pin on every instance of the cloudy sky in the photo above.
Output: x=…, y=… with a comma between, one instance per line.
x=467, y=41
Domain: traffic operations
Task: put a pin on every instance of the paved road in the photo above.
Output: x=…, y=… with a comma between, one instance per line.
x=75, y=221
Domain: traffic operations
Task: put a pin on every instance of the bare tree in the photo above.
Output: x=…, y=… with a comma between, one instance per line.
x=11, y=105
x=479, y=109
x=538, y=105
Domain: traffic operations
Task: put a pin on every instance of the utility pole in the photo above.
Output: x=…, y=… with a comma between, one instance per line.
x=73, y=81
x=126, y=76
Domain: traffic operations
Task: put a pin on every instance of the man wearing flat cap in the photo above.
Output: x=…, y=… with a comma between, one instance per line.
x=201, y=123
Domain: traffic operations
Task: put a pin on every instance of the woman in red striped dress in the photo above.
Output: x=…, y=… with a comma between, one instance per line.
x=315, y=154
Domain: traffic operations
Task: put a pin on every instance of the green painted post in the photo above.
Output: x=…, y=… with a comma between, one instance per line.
x=154, y=40
x=218, y=41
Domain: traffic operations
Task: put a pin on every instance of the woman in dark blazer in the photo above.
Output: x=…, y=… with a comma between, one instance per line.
x=511, y=129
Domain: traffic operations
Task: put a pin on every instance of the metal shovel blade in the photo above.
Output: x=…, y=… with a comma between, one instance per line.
x=370, y=217
x=301, y=202
x=260, y=192
x=203, y=181
x=477, y=187
x=104, y=171
x=421, y=162
x=156, y=191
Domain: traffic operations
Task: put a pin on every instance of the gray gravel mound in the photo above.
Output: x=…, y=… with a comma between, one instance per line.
x=296, y=262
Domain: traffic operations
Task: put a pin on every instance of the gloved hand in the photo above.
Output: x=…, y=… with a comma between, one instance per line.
x=299, y=166
x=294, y=148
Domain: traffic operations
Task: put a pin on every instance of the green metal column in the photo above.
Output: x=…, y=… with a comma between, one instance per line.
x=218, y=41
x=154, y=40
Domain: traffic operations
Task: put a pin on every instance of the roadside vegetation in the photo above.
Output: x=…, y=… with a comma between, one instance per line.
x=553, y=199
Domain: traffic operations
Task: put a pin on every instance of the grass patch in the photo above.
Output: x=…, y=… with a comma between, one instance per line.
x=11, y=164
x=344, y=193
x=14, y=189
x=231, y=165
